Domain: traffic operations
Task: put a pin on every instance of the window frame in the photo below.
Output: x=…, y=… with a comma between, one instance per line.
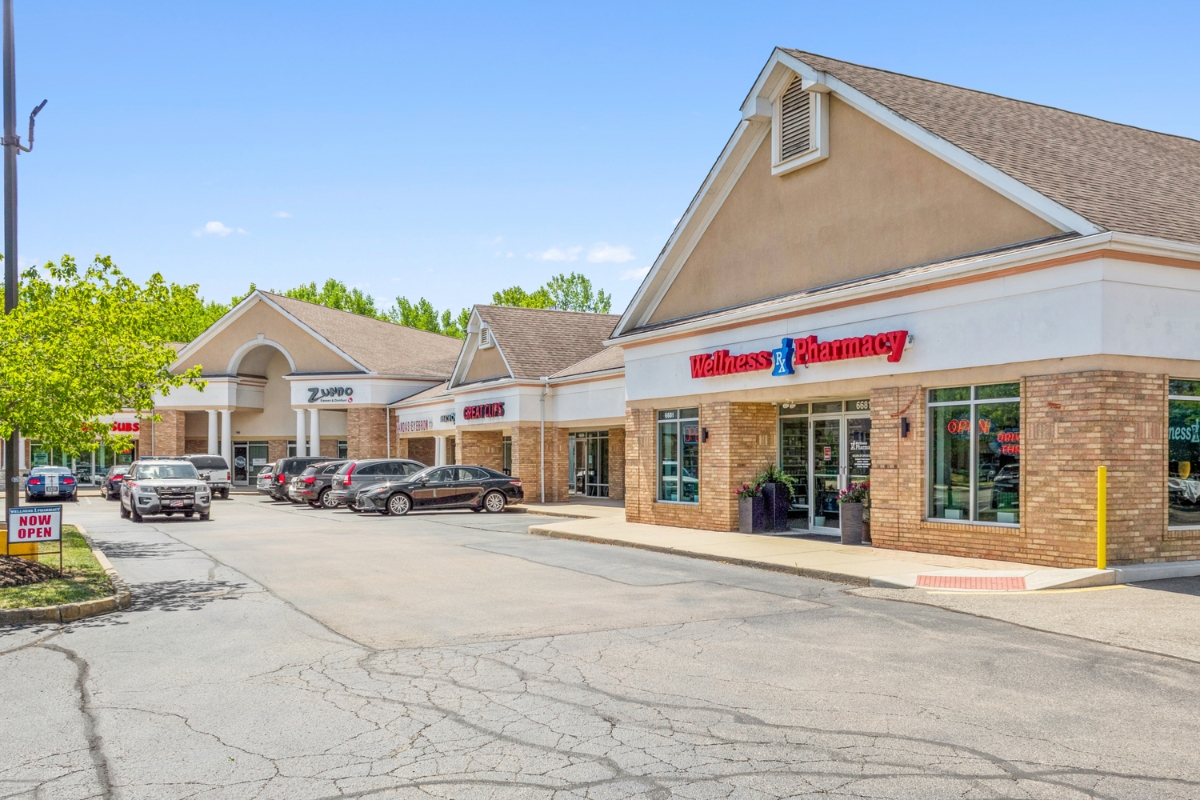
x=973, y=401
x=1195, y=398
x=678, y=480
x=818, y=131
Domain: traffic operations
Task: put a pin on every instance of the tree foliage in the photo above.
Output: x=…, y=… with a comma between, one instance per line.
x=423, y=316
x=182, y=313
x=563, y=292
x=336, y=294
x=83, y=345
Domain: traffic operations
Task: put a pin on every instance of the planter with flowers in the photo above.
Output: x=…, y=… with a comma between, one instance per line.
x=752, y=516
x=852, y=501
x=777, y=489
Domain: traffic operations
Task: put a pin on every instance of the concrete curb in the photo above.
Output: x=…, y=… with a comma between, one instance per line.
x=803, y=572
x=69, y=612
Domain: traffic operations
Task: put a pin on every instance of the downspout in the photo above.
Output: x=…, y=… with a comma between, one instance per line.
x=545, y=390
x=387, y=410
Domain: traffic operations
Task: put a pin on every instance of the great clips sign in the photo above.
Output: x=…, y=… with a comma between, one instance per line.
x=484, y=411
x=809, y=350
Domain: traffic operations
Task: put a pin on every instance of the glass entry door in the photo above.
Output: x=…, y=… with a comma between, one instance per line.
x=589, y=463
x=241, y=464
x=826, y=472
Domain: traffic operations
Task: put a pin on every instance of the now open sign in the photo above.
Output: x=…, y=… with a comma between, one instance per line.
x=35, y=524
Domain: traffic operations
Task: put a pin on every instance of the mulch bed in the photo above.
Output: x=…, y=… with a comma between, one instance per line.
x=21, y=572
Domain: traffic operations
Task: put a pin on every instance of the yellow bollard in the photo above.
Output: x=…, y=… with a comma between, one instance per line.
x=1102, y=518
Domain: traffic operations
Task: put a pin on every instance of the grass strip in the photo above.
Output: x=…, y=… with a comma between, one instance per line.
x=83, y=578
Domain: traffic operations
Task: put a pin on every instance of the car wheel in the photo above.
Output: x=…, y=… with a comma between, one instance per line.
x=188, y=514
x=494, y=502
x=135, y=516
x=399, y=504
x=28, y=499
x=324, y=500
x=225, y=493
x=124, y=512
x=204, y=517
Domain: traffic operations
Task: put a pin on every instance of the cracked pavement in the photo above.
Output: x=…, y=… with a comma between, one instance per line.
x=280, y=652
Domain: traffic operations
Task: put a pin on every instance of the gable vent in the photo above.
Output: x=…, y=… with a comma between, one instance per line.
x=795, y=134
x=485, y=338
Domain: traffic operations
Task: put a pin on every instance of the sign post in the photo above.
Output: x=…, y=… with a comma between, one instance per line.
x=33, y=525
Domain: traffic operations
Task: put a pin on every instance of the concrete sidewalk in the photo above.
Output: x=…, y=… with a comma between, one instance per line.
x=860, y=565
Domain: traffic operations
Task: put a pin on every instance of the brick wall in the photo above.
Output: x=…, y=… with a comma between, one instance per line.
x=485, y=448
x=366, y=432
x=527, y=464
x=328, y=448
x=195, y=445
x=616, y=463
x=423, y=450
x=167, y=434
x=1070, y=425
x=741, y=442
x=276, y=449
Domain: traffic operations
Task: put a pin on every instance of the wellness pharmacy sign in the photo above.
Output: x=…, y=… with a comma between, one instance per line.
x=792, y=352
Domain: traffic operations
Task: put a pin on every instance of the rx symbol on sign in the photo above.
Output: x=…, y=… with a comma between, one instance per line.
x=783, y=359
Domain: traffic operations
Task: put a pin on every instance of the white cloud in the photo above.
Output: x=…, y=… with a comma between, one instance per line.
x=634, y=274
x=555, y=254
x=281, y=215
x=213, y=228
x=604, y=253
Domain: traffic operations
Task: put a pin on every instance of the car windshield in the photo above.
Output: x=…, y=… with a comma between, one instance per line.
x=151, y=472
x=121, y=470
x=344, y=468
x=416, y=476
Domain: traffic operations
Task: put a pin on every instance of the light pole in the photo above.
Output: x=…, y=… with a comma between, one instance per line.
x=12, y=145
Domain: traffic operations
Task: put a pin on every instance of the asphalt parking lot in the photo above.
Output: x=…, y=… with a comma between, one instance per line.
x=279, y=651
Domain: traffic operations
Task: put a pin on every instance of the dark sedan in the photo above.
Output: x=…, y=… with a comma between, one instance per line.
x=45, y=483
x=110, y=484
x=313, y=485
x=476, y=488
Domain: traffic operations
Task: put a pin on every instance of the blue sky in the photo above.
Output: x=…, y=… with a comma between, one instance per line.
x=449, y=150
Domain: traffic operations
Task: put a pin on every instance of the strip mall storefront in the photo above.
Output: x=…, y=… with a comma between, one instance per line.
x=862, y=291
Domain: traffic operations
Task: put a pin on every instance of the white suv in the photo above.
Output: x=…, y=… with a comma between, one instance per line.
x=164, y=487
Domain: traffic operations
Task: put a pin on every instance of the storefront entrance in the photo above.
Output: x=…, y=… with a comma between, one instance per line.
x=588, y=458
x=248, y=460
x=825, y=446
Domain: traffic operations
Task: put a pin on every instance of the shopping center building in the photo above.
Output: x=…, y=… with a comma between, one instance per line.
x=971, y=301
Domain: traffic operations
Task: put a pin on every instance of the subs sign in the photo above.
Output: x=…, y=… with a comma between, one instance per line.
x=334, y=394
x=35, y=524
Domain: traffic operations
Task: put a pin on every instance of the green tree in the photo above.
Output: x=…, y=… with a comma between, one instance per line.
x=182, y=313
x=574, y=293
x=82, y=345
x=335, y=294
x=516, y=296
x=564, y=292
x=423, y=316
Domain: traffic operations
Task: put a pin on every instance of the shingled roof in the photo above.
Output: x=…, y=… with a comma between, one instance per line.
x=382, y=347
x=538, y=342
x=1117, y=176
x=607, y=359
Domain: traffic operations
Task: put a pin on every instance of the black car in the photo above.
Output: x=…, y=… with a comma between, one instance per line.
x=312, y=485
x=476, y=488
x=110, y=484
x=285, y=470
x=357, y=476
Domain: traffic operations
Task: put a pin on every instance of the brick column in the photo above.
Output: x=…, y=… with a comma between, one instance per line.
x=399, y=448
x=366, y=432
x=558, y=468
x=276, y=449
x=616, y=463
x=481, y=448
x=329, y=448
x=167, y=434
x=741, y=442
x=897, y=467
x=526, y=458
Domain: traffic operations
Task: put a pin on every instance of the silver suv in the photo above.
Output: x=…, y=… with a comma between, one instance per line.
x=164, y=487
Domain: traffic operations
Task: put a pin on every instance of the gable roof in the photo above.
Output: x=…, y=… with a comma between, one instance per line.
x=538, y=342
x=382, y=347
x=607, y=359
x=1117, y=176
x=1081, y=174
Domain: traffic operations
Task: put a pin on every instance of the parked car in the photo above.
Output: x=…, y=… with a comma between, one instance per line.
x=313, y=485
x=110, y=484
x=162, y=486
x=214, y=470
x=45, y=483
x=284, y=470
x=476, y=488
x=266, y=477
x=353, y=476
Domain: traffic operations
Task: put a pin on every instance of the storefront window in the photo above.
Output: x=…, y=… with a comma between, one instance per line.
x=342, y=449
x=679, y=455
x=1183, y=467
x=975, y=453
x=506, y=456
